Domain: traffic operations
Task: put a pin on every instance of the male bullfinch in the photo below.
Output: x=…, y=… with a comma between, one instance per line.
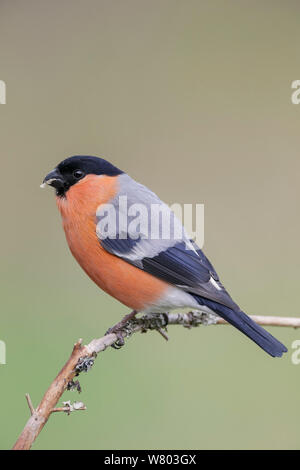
x=146, y=273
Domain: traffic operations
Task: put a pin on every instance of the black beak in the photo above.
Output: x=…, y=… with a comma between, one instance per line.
x=55, y=179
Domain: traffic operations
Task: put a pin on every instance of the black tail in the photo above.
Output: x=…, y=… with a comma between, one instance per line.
x=247, y=326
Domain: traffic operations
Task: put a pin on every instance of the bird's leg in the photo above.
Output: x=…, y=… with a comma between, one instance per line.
x=116, y=329
x=122, y=323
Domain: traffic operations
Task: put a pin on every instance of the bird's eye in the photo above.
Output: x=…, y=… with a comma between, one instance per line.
x=78, y=174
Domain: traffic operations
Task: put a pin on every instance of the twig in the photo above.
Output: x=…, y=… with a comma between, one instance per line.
x=69, y=407
x=163, y=334
x=82, y=358
x=32, y=410
x=292, y=322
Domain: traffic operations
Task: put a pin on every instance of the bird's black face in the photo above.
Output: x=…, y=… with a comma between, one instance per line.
x=74, y=169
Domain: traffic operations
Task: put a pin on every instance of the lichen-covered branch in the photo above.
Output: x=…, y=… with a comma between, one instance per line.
x=82, y=358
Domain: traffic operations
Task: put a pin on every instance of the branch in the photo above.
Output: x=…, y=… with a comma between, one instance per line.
x=82, y=358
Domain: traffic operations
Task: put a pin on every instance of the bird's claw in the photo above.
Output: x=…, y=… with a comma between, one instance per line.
x=122, y=329
x=120, y=340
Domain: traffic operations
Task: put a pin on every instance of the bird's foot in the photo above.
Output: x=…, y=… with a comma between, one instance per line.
x=119, y=329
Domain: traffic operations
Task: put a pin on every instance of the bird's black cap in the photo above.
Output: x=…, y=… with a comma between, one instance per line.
x=73, y=169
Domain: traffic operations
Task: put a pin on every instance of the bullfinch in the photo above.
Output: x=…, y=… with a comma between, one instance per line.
x=147, y=273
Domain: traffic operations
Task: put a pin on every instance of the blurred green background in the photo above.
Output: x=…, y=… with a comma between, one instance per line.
x=193, y=99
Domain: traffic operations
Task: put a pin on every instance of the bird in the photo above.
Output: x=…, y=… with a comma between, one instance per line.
x=147, y=274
